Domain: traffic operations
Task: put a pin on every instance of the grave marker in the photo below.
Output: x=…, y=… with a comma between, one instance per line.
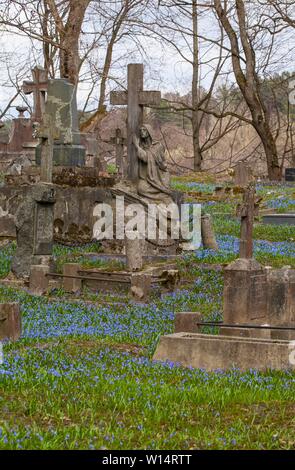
x=135, y=98
x=246, y=212
x=63, y=125
x=242, y=174
x=35, y=214
x=10, y=321
x=290, y=175
x=39, y=88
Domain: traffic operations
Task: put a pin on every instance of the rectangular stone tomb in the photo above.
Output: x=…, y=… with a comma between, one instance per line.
x=279, y=219
x=290, y=174
x=212, y=352
x=140, y=283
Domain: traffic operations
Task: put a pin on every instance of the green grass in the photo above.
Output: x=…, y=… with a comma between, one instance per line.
x=83, y=395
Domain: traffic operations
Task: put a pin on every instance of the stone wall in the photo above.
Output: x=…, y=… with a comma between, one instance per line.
x=73, y=211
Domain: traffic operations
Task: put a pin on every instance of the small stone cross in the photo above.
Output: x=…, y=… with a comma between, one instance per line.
x=247, y=211
x=47, y=133
x=120, y=142
x=39, y=88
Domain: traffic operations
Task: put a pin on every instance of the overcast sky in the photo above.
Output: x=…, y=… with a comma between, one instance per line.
x=165, y=69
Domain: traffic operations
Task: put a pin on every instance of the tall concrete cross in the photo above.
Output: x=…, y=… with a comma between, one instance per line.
x=48, y=133
x=247, y=211
x=135, y=98
x=39, y=88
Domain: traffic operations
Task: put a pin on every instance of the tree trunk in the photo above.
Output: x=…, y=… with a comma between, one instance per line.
x=249, y=84
x=273, y=167
x=105, y=74
x=195, y=92
x=69, y=52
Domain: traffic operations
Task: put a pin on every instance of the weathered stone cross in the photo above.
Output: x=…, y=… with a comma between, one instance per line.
x=39, y=88
x=119, y=141
x=247, y=211
x=135, y=98
x=48, y=132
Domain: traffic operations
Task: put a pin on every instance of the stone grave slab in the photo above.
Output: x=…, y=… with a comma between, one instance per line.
x=212, y=352
x=279, y=219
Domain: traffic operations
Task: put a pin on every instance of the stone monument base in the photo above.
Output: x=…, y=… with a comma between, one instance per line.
x=65, y=155
x=274, y=333
x=212, y=352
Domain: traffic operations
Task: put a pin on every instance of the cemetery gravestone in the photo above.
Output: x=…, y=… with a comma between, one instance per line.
x=242, y=174
x=35, y=215
x=13, y=140
x=245, y=279
x=39, y=88
x=34, y=229
x=136, y=98
x=61, y=108
x=290, y=175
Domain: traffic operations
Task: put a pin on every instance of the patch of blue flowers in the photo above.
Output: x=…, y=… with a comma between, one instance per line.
x=133, y=323
x=229, y=245
x=281, y=203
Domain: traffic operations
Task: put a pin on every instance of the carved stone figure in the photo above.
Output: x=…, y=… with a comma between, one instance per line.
x=153, y=175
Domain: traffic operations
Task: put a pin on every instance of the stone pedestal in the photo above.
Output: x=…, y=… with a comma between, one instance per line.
x=187, y=322
x=39, y=281
x=281, y=302
x=281, y=296
x=208, y=236
x=245, y=293
x=70, y=284
x=61, y=106
x=140, y=286
x=10, y=321
x=134, y=254
x=65, y=155
x=242, y=174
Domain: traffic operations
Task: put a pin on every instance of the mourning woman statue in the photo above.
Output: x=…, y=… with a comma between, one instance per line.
x=154, y=177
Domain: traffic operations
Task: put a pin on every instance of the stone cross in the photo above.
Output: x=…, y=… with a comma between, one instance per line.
x=48, y=133
x=119, y=141
x=247, y=211
x=135, y=98
x=39, y=88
